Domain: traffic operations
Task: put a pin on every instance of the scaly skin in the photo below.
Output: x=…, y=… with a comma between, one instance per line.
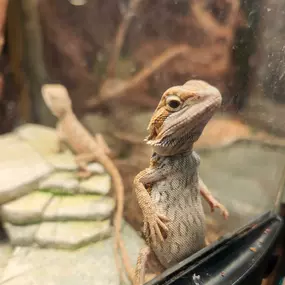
x=168, y=191
x=71, y=131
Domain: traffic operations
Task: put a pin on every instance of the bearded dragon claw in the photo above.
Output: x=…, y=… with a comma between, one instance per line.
x=153, y=227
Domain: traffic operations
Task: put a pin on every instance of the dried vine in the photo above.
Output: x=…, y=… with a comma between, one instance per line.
x=3, y=8
x=116, y=90
x=120, y=36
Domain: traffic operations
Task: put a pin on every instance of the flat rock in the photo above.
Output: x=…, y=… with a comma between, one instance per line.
x=21, y=235
x=66, y=161
x=20, y=168
x=6, y=253
x=95, y=167
x=97, y=184
x=79, y=207
x=71, y=235
x=61, y=182
x=62, y=160
x=27, y=209
x=92, y=264
x=43, y=139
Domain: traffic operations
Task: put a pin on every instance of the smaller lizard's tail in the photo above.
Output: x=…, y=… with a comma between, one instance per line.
x=119, y=244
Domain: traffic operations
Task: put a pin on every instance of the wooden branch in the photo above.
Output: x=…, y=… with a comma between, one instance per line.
x=57, y=33
x=144, y=100
x=234, y=13
x=154, y=66
x=209, y=24
x=3, y=9
x=120, y=36
x=1, y=86
x=125, y=87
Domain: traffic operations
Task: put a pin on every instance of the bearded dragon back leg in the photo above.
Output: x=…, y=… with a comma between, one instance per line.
x=211, y=199
x=147, y=266
x=82, y=161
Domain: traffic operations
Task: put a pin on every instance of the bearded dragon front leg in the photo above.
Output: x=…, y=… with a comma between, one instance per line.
x=62, y=146
x=211, y=200
x=154, y=222
x=82, y=162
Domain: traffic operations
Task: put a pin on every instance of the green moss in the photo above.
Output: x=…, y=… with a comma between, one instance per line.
x=56, y=191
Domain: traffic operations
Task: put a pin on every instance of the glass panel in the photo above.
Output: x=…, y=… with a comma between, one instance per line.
x=114, y=60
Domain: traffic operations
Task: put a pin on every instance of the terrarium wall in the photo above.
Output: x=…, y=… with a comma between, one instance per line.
x=134, y=50
x=8, y=94
x=266, y=104
x=116, y=58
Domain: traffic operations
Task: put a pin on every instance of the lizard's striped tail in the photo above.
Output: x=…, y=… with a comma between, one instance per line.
x=119, y=244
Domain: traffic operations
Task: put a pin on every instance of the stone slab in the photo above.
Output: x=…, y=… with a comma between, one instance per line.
x=60, y=182
x=71, y=235
x=43, y=139
x=27, y=209
x=92, y=264
x=66, y=161
x=97, y=184
x=95, y=167
x=21, y=235
x=20, y=168
x=62, y=161
x=79, y=207
x=6, y=251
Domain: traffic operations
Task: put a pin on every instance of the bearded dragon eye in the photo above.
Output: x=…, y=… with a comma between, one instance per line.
x=173, y=103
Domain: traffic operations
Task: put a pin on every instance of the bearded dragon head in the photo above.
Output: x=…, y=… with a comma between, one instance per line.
x=181, y=116
x=57, y=99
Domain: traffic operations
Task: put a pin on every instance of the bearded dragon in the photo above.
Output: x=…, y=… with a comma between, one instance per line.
x=168, y=191
x=87, y=149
